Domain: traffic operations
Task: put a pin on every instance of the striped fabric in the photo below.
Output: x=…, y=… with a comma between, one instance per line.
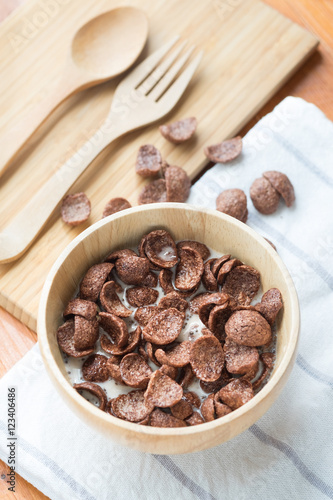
x=288, y=453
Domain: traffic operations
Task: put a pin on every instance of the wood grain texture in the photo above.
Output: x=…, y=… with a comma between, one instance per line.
x=250, y=50
x=312, y=82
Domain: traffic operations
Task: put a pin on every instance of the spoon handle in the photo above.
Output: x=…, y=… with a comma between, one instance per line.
x=14, y=139
x=24, y=228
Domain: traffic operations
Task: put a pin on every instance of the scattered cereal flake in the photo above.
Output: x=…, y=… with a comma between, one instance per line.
x=282, y=184
x=179, y=131
x=115, y=205
x=264, y=196
x=224, y=151
x=75, y=209
x=154, y=192
x=148, y=161
x=233, y=202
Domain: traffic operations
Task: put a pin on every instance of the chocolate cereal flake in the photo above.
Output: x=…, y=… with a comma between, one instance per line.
x=177, y=356
x=208, y=408
x=189, y=269
x=65, y=337
x=93, y=281
x=221, y=409
x=75, y=209
x=135, y=371
x=94, y=389
x=208, y=279
x=233, y=202
x=114, y=371
x=116, y=350
x=236, y=393
x=140, y=296
x=160, y=249
x=226, y=268
x=270, y=305
x=132, y=406
x=218, y=317
x=85, y=332
x=148, y=161
x=179, y=131
x=197, y=301
x=242, y=283
x=160, y=419
x=192, y=398
x=282, y=184
x=115, y=327
x=267, y=359
x=95, y=369
x=119, y=254
x=264, y=196
x=171, y=371
x=215, y=386
x=178, y=184
x=173, y=299
x=248, y=328
x=164, y=327
x=201, y=248
x=165, y=280
x=207, y=358
x=224, y=151
x=132, y=270
x=143, y=314
x=163, y=391
x=111, y=302
x=182, y=410
x=240, y=359
x=213, y=299
x=154, y=192
x=186, y=376
x=115, y=205
x=195, y=419
x=80, y=307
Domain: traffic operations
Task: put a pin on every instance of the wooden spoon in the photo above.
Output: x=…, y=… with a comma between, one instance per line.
x=101, y=49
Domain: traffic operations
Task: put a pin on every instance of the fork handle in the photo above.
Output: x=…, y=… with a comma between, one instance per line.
x=24, y=228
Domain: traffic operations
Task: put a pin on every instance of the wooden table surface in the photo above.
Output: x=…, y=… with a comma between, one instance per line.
x=312, y=82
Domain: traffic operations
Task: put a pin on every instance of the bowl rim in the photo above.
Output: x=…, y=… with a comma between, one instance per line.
x=64, y=385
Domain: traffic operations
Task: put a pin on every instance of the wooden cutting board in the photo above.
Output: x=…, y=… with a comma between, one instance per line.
x=250, y=50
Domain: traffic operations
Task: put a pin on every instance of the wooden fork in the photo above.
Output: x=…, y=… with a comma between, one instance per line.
x=151, y=90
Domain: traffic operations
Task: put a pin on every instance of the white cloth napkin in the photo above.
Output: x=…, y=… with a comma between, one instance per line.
x=288, y=454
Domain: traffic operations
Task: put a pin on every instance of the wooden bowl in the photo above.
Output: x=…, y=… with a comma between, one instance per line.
x=220, y=232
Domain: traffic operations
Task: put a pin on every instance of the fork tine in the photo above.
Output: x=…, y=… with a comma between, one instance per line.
x=160, y=70
x=139, y=73
x=163, y=84
x=174, y=93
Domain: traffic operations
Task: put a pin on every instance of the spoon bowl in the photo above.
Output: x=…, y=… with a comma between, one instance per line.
x=106, y=45
x=103, y=48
